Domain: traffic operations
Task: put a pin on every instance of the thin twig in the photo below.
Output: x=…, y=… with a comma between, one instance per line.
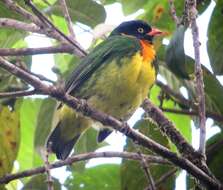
x=145, y=167
x=216, y=117
x=81, y=157
x=173, y=12
x=68, y=18
x=108, y=120
x=48, y=168
x=199, y=75
x=178, y=98
x=50, y=24
x=34, y=51
x=20, y=93
x=164, y=177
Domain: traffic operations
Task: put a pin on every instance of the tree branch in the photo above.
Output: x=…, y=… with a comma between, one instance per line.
x=48, y=172
x=34, y=51
x=15, y=24
x=16, y=8
x=86, y=110
x=199, y=75
x=173, y=12
x=46, y=27
x=20, y=93
x=164, y=177
x=51, y=25
x=81, y=157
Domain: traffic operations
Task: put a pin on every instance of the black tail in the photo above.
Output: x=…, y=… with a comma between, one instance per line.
x=58, y=145
x=103, y=134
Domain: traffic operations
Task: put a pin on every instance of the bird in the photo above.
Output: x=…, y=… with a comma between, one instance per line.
x=115, y=78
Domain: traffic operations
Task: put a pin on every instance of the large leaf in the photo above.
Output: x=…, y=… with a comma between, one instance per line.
x=132, y=174
x=106, y=176
x=28, y=118
x=87, y=12
x=215, y=40
x=10, y=138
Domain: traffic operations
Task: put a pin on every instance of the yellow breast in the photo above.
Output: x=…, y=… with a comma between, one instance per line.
x=123, y=86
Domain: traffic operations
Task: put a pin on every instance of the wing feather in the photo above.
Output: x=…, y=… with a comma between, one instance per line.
x=114, y=47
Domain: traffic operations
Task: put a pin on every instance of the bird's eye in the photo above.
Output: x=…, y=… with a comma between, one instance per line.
x=140, y=30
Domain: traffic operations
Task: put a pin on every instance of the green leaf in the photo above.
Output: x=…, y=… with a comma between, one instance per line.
x=175, y=56
x=132, y=174
x=39, y=182
x=10, y=138
x=44, y=123
x=28, y=118
x=87, y=12
x=215, y=40
x=106, y=176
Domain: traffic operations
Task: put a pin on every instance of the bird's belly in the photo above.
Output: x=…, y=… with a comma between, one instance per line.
x=123, y=86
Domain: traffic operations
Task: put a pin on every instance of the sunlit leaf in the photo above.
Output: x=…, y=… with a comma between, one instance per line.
x=28, y=118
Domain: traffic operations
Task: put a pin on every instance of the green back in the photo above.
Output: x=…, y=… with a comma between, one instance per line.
x=113, y=48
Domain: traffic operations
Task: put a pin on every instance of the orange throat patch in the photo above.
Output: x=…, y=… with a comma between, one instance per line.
x=148, y=51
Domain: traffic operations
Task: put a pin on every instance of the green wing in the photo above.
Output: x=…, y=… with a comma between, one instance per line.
x=114, y=47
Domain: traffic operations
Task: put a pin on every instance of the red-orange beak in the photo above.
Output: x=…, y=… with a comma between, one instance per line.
x=156, y=32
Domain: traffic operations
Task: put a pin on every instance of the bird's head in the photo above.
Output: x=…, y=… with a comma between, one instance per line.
x=138, y=29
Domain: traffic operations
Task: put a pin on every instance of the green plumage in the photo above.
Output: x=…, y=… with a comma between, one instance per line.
x=113, y=48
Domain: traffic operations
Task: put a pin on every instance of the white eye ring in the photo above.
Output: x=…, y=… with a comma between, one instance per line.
x=140, y=30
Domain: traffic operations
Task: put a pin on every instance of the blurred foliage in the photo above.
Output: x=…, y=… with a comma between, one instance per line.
x=129, y=169
x=26, y=122
x=214, y=40
x=105, y=176
x=36, y=183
